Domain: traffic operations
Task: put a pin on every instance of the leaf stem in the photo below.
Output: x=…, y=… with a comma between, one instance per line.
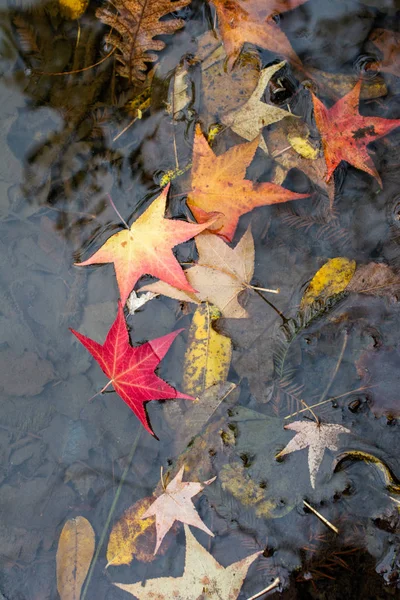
x=273, y=585
x=117, y=211
x=111, y=512
x=282, y=316
x=261, y=289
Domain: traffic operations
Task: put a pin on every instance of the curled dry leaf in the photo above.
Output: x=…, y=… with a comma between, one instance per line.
x=220, y=274
x=202, y=575
x=208, y=355
x=132, y=536
x=219, y=185
x=332, y=278
x=74, y=555
x=135, y=302
x=249, y=120
x=316, y=437
x=175, y=504
x=134, y=26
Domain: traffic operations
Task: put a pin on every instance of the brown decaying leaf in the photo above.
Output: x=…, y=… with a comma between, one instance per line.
x=134, y=26
x=388, y=42
x=202, y=576
x=175, y=504
x=316, y=437
x=375, y=279
x=132, y=536
x=249, y=120
x=74, y=555
x=220, y=274
x=336, y=85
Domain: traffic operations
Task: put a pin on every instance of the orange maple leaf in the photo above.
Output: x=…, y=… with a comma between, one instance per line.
x=146, y=248
x=219, y=185
x=252, y=21
x=346, y=134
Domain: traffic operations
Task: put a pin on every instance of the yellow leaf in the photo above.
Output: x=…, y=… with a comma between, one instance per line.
x=73, y=9
x=302, y=146
x=74, y=555
x=332, y=278
x=132, y=537
x=208, y=355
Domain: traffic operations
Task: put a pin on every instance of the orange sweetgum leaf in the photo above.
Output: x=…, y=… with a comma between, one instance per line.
x=219, y=186
x=346, y=134
x=146, y=248
x=251, y=21
x=131, y=369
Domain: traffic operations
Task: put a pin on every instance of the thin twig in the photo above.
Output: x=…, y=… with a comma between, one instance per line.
x=124, y=129
x=339, y=360
x=111, y=512
x=360, y=389
x=311, y=411
x=261, y=289
x=321, y=517
x=282, y=316
x=273, y=585
x=117, y=211
x=76, y=70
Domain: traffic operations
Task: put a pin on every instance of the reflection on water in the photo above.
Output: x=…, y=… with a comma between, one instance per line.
x=69, y=143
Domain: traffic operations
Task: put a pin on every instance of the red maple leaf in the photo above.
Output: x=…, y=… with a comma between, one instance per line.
x=131, y=370
x=346, y=134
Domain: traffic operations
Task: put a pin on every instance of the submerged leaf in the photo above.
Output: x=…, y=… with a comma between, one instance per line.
x=74, y=555
x=375, y=279
x=332, y=278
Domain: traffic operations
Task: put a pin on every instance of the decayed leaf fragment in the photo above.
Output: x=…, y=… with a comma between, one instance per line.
x=316, y=437
x=346, y=134
x=131, y=370
x=202, y=575
x=248, y=120
x=146, y=247
x=388, y=42
x=220, y=274
x=332, y=278
x=375, y=279
x=208, y=355
x=219, y=185
x=134, y=26
x=132, y=536
x=251, y=21
x=175, y=504
x=74, y=555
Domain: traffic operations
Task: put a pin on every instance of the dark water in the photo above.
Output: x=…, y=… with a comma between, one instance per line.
x=61, y=456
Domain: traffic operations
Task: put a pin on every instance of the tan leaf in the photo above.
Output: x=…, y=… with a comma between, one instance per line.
x=375, y=279
x=74, y=555
x=254, y=115
x=316, y=437
x=220, y=274
x=175, y=504
x=132, y=536
x=202, y=575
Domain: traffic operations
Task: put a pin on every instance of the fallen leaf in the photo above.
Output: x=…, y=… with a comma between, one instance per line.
x=74, y=555
x=132, y=536
x=251, y=21
x=218, y=185
x=220, y=274
x=208, y=355
x=340, y=84
x=375, y=279
x=202, y=574
x=316, y=437
x=248, y=120
x=332, y=278
x=388, y=42
x=73, y=9
x=346, y=134
x=175, y=504
x=135, y=302
x=134, y=25
x=131, y=370
x=146, y=247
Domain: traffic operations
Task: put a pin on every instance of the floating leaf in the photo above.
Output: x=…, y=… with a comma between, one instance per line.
x=375, y=279
x=74, y=555
x=332, y=278
x=208, y=356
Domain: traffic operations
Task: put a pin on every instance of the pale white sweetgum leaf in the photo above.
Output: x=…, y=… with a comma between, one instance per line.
x=135, y=302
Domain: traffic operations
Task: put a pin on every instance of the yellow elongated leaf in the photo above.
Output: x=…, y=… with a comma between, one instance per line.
x=208, y=355
x=74, y=555
x=332, y=278
x=73, y=9
x=132, y=537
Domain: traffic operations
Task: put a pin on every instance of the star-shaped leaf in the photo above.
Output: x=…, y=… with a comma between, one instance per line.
x=131, y=370
x=175, y=504
x=248, y=120
x=203, y=577
x=251, y=21
x=346, y=134
x=220, y=274
x=219, y=185
x=147, y=248
x=316, y=437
